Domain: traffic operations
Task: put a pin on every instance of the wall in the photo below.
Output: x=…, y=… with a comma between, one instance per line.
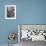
x=27, y=12
x=6, y=26
x=31, y=11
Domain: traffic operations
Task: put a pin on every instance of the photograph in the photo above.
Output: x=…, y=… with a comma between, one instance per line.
x=28, y=33
x=10, y=11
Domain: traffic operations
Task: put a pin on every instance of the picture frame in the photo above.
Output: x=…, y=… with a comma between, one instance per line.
x=10, y=11
x=36, y=32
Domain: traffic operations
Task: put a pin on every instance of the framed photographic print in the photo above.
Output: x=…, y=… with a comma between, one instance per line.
x=10, y=11
x=33, y=32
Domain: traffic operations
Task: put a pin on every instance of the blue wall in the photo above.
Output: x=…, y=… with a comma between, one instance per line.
x=27, y=12
x=31, y=11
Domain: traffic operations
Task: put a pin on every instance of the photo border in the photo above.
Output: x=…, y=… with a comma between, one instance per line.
x=6, y=11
